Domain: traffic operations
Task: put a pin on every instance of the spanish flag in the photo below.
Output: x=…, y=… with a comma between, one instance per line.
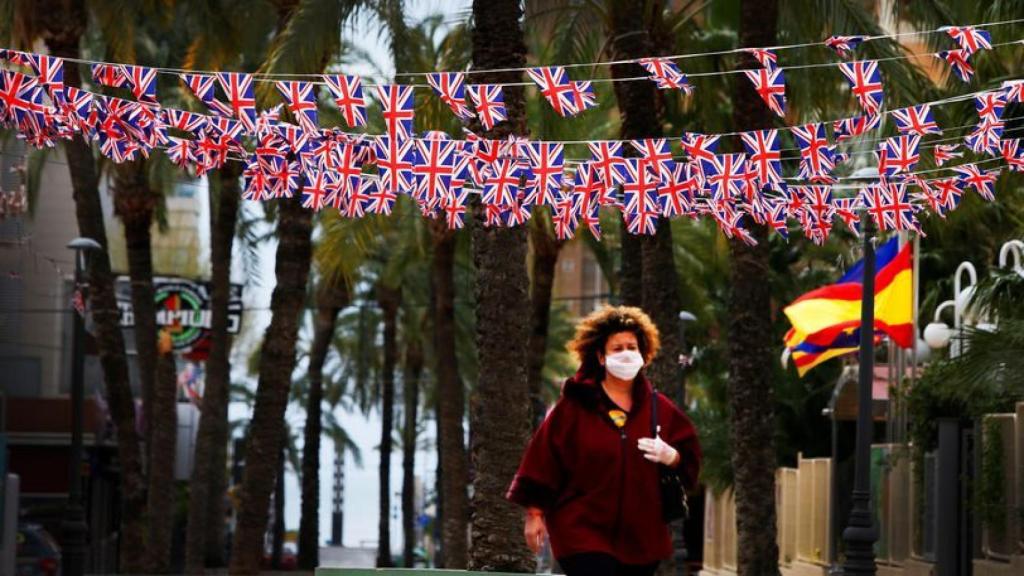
x=826, y=321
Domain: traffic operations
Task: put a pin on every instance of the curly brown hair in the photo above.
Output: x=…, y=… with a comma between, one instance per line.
x=592, y=334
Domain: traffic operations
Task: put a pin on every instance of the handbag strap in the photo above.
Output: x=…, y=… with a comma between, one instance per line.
x=654, y=414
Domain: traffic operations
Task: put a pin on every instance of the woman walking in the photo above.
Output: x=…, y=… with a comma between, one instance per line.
x=590, y=477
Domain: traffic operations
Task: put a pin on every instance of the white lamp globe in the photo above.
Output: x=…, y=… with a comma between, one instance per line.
x=937, y=335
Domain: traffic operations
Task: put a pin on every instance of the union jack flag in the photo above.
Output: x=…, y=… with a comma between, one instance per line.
x=435, y=169
x=898, y=155
x=502, y=186
x=640, y=191
x=546, y=169
x=730, y=221
x=21, y=99
x=676, y=193
x=583, y=96
x=255, y=181
x=656, y=154
x=348, y=96
x=359, y=189
x=238, y=88
x=1014, y=90
x=983, y=181
x=380, y=199
x=888, y=205
x=666, y=74
x=315, y=191
x=349, y=171
x=285, y=179
x=607, y=163
x=489, y=103
x=865, y=83
x=763, y=154
x=1013, y=154
x=969, y=38
x=990, y=105
x=945, y=152
x=816, y=155
x=843, y=45
x=586, y=194
x=270, y=150
x=49, y=71
x=184, y=121
x=564, y=219
x=556, y=88
x=949, y=192
x=818, y=210
x=295, y=137
x=776, y=216
x=927, y=195
x=397, y=103
x=109, y=75
x=454, y=208
x=700, y=147
x=770, y=85
x=450, y=86
x=202, y=87
x=985, y=137
x=852, y=127
x=766, y=58
x=142, y=81
x=301, y=102
x=916, y=120
x=180, y=151
x=725, y=176
x=958, y=61
x=847, y=209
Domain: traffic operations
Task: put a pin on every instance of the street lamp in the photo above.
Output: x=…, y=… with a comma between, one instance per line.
x=1016, y=249
x=685, y=360
x=75, y=530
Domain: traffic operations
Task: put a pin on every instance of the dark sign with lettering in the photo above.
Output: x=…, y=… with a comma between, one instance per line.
x=183, y=308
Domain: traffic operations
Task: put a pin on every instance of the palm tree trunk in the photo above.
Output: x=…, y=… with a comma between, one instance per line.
x=453, y=463
x=65, y=30
x=546, y=248
x=388, y=299
x=411, y=401
x=500, y=418
x=331, y=298
x=750, y=351
x=204, y=542
x=277, y=361
x=162, y=494
x=277, y=542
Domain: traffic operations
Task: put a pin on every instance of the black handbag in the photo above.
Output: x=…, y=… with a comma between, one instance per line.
x=674, y=504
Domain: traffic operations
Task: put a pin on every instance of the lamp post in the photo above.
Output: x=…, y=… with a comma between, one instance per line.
x=75, y=530
x=682, y=553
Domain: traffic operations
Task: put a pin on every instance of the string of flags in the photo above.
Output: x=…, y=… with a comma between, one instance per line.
x=358, y=174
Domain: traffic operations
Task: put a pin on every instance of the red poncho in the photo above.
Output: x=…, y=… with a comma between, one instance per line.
x=597, y=491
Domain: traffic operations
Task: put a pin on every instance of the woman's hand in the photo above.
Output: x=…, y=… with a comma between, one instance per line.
x=535, y=530
x=656, y=450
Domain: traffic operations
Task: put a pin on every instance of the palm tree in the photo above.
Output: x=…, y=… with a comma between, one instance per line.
x=412, y=371
x=499, y=418
x=389, y=300
x=61, y=25
x=161, y=495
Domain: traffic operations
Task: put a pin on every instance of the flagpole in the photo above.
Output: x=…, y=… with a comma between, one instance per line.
x=861, y=534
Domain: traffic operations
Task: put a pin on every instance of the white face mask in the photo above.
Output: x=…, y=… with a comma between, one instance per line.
x=624, y=365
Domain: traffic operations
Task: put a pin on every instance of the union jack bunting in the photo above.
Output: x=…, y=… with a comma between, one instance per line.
x=454, y=209
x=676, y=193
x=985, y=137
x=957, y=60
x=699, y=147
x=49, y=71
x=730, y=221
x=285, y=179
x=843, y=45
x=358, y=198
x=348, y=96
x=725, y=176
x=142, y=81
x=888, y=205
x=847, y=209
x=238, y=88
x=983, y=181
x=109, y=75
x=502, y=186
x=180, y=151
x=556, y=88
x=1013, y=154
x=943, y=153
x=315, y=190
x=927, y=195
x=583, y=96
x=21, y=99
x=489, y=103
x=607, y=163
x=898, y=155
x=434, y=170
x=949, y=192
x=202, y=87
x=776, y=216
x=818, y=210
x=586, y=194
x=969, y=38
x=916, y=120
x=546, y=167
x=865, y=83
x=379, y=199
x=349, y=176
x=763, y=154
x=656, y=154
x=852, y=127
x=666, y=74
x=990, y=105
x=766, y=58
x=1014, y=90
x=396, y=102
x=295, y=137
x=564, y=218
x=450, y=86
x=184, y=121
x=255, y=181
x=771, y=87
x=816, y=155
x=301, y=102
x=640, y=193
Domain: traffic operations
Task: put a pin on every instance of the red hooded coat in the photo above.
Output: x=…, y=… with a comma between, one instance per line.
x=597, y=491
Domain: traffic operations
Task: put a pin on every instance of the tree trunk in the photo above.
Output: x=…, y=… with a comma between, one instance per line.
x=277, y=361
x=331, y=298
x=63, y=33
x=277, y=543
x=162, y=493
x=204, y=544
x=389, y=300
x=500, y=418
x=750, y=352
x=411, y=402
x=453, y=464
x=545, y=257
